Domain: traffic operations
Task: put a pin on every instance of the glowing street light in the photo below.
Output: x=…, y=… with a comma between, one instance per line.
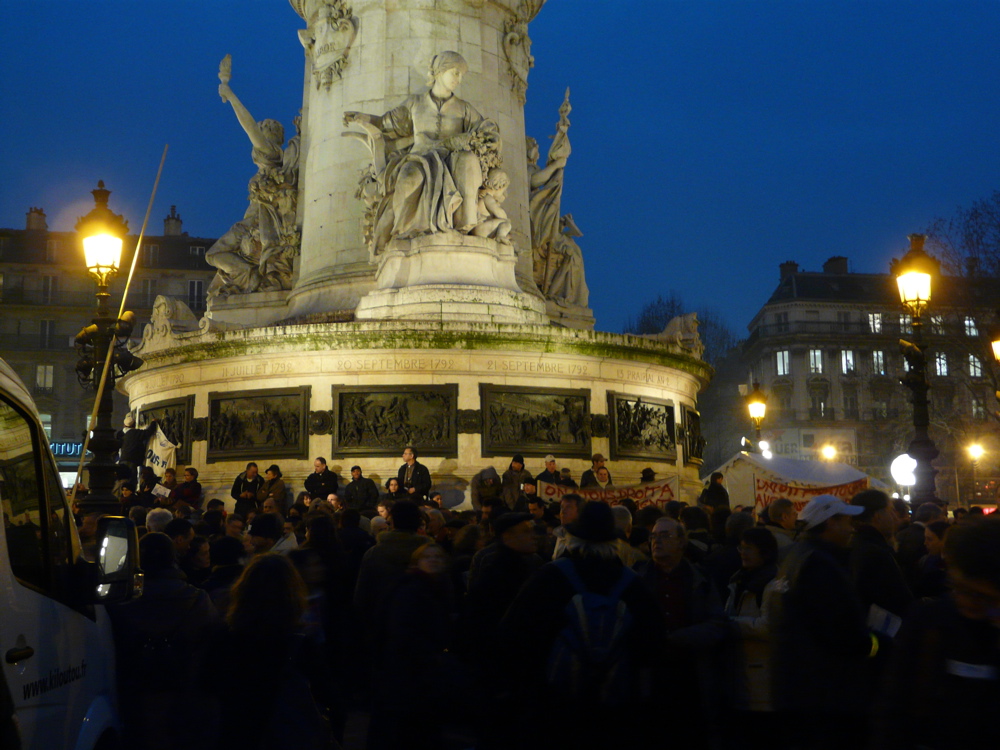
x=828, y=452
x=757, y=406
x=915, y=273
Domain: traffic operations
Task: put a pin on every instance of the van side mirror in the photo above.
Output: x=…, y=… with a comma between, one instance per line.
x=118, y=576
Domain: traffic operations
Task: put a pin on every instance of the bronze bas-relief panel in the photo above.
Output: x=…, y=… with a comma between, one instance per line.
x=175, y=418
x=261, y=424
x=535, y=421
x=693, y=440
x=641, y=427
x=382, y=420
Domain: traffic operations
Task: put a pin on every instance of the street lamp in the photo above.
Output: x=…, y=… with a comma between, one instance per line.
x=976, y=452
x=102, y=232
x=828, y=452
x=757, y=405
x=914, y=274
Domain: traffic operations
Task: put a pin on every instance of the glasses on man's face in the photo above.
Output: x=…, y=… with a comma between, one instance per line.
x=664, y=535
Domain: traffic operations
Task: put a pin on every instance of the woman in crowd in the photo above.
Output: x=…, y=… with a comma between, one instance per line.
x=393, y=491
x=274, y=488
x=750, y=591
x=266, y=651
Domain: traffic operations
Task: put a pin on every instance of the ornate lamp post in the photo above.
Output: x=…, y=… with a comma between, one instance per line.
x=102, y=232
x=976, y=452
x=914, y=274
x=757, y=406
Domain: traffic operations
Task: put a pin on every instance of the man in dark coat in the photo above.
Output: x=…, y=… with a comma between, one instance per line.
x=245, y=490
x=820, y=640
x=161, y=639
x=485, y=485
x=322, y=482
x=589, y=477
x=134, y=442
x=551, y=473
x=361, y=493
x=414, y=478
x=534, y=621
x=514, y=480
x=875, y=573
x=715, y=495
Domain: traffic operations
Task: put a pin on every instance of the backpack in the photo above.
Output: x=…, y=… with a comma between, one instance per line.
x=589, y=660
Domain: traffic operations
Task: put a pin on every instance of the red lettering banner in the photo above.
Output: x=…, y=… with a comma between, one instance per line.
x=651, y=493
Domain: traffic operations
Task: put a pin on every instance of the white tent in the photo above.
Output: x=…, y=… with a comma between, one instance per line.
x=754, y=480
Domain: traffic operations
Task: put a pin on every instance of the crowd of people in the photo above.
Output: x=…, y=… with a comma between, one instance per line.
x=525, y=623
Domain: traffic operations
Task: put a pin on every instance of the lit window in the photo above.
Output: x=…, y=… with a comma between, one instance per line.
x=875, y=322
x=975, y=366
x=941, y=363
x=782, y=363
x=978, y=410
x=970, y=326
x=906, y=365
x=43, y=376
x=196, y=294
x=878, y=362
x=937, y=324
x=150, y=255
x=905, y=324
x=847, y=361
x=46, y=420
x=816, y=361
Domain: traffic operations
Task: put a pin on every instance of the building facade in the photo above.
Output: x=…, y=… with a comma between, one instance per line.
x=47, y=296
x=826, y=348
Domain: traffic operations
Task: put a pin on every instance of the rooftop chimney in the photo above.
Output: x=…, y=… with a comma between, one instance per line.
x=172, y=224
x=36, y=220
x=788, y=268
x=836, y=264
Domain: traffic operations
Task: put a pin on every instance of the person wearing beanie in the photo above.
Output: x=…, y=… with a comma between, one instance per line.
x=513, y=481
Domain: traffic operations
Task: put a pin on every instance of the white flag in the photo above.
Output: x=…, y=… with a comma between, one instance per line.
x=160, y=453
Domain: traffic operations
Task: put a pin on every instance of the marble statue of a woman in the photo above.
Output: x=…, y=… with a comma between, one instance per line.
x=437, y=150
x=254, y=254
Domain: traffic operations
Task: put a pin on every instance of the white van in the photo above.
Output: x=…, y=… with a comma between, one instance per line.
x=55, y=635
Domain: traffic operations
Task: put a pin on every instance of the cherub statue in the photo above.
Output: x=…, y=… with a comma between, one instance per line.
x=493, y=221
x=435, y=148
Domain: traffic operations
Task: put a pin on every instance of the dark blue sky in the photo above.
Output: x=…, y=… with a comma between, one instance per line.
x=711, y=139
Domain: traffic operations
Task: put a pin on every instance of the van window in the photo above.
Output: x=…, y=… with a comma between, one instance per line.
x=20, y=498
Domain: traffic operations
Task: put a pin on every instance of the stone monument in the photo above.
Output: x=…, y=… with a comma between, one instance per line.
x=404, y=274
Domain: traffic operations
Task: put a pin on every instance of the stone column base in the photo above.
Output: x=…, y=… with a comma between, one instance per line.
x=453, y=302
x=251, y=310
x=450, y=277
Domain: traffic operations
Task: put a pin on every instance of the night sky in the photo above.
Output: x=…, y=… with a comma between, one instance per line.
x=711, y=140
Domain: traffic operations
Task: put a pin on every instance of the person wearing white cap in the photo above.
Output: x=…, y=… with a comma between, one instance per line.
x=551, y=474
x=821, y=642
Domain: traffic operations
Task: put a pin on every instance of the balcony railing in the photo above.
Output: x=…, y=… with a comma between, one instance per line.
x=34, y=342
x=58, y=298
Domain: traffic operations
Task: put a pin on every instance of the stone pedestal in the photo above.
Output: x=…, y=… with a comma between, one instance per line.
x=570, y=316
x=482, y=370
x=448, y=277
x=249, y=310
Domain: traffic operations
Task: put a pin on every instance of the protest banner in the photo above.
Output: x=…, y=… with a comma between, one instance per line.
x=651, y=493
x=767, y=490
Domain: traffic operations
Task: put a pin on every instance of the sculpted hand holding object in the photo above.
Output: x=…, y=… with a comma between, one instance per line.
x=255, y=254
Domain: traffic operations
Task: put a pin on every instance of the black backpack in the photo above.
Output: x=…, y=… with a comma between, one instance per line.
x=590, y=660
